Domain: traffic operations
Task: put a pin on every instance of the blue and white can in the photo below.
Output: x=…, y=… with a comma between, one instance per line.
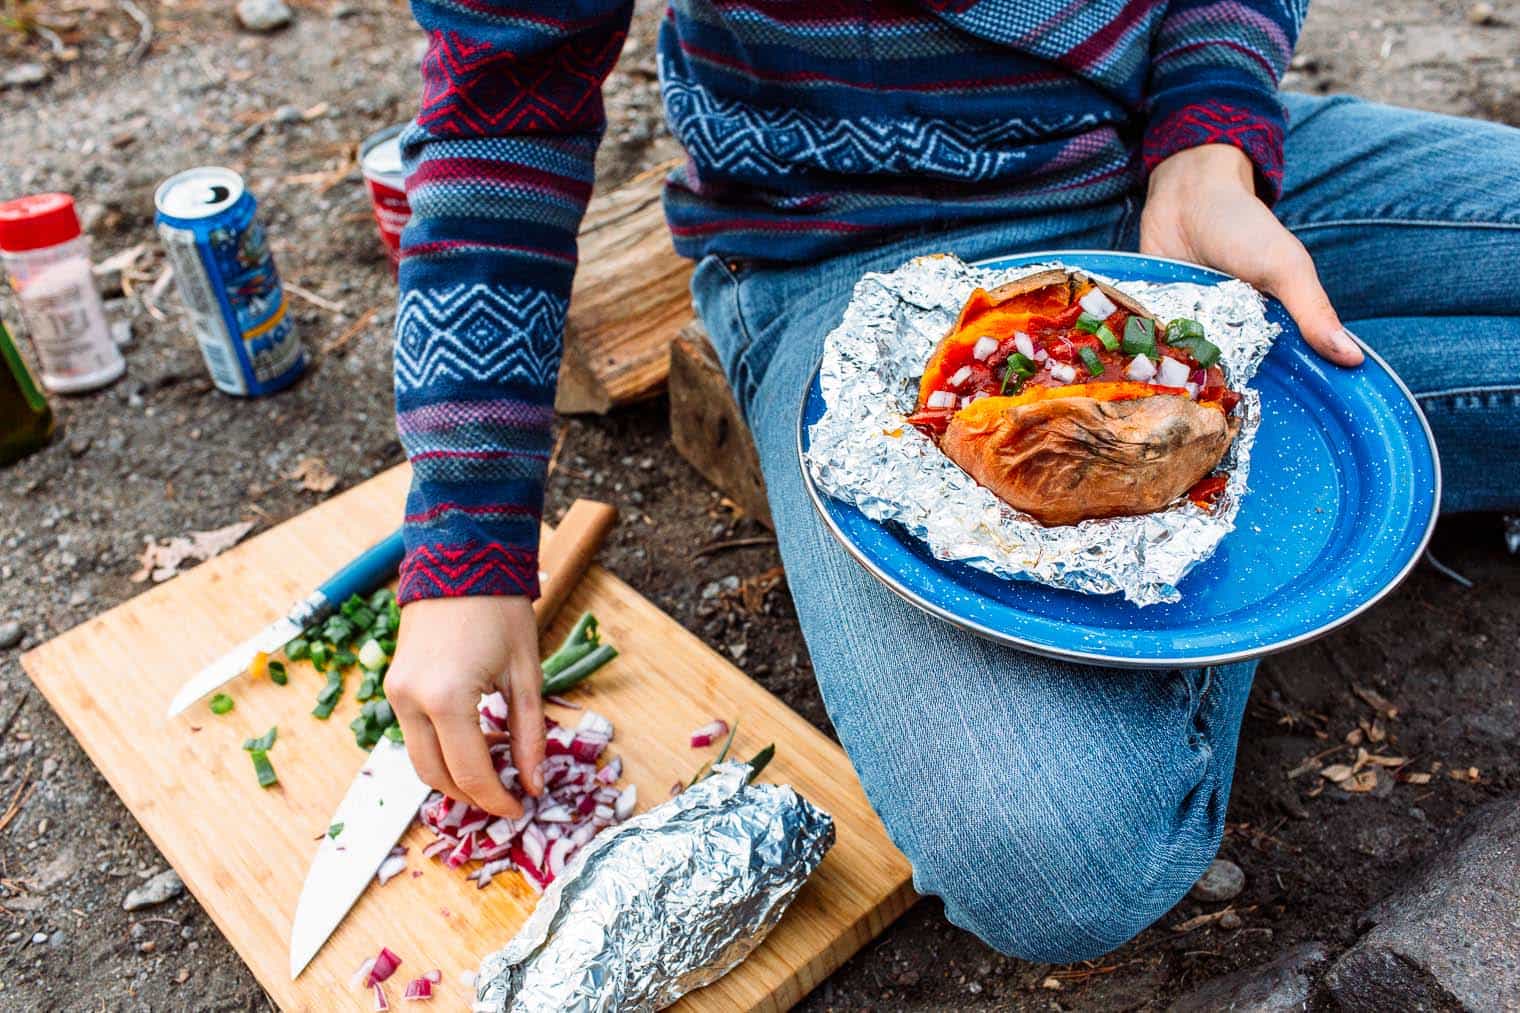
x=226, y=275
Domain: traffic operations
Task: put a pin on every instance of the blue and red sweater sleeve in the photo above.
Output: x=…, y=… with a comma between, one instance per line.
x=499, y=169
x=1215, y=65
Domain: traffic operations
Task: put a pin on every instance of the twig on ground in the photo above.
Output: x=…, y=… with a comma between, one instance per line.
x=353, y=330
x=733, y=543
x=23, y=792
x=10, y=719
x=144, y=29
x=314, y=299
x=559, y=444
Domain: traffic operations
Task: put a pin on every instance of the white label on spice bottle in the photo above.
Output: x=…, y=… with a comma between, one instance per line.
x=67, y=325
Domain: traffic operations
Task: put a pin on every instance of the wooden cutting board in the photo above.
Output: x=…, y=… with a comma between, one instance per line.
x=243, y=851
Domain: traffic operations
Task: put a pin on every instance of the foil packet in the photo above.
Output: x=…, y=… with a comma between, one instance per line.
x=665, y=903
x=864, y=452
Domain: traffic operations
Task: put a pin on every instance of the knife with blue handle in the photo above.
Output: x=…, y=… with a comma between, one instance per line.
x=370, y=569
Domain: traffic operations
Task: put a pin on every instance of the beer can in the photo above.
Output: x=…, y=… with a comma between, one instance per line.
x=380, y=161
x=227, y=278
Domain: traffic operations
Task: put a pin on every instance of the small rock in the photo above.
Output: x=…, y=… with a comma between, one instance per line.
x=79, y=446
x=146, y=946
x=26, y=75
x=288, y=114
x=10, y=634
x=1275, y=987
x=1230, y=921
x=1221, y=881
x=263, y=15
x=81, y=597
x=13, y=936
x=345, y=10
x=38, y=938
x=164, y=886
x=1448, y=939
x=56, y=939
x=1481, y=14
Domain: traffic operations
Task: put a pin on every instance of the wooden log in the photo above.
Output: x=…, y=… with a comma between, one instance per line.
x=707, y=427
x=631, y=296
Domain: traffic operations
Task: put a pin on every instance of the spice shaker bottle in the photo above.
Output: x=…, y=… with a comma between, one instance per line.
x=47, y=258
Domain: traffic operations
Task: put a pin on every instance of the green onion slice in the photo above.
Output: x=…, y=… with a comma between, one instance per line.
x=1140, y=337
x=336, y=829
x=263, y=768
x=221, y=703
x=1088, y=323
x=1091, y=360
x=264, y=742
x=277, y=674
x=1107, y=337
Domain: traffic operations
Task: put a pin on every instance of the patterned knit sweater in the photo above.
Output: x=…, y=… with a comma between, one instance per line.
x=811, y=126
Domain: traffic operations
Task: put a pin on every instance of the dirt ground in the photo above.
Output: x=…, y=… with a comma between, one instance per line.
x=161, y=453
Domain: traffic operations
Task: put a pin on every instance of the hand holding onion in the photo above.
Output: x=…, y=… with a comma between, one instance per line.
x=1202, y=207
x=450, y=652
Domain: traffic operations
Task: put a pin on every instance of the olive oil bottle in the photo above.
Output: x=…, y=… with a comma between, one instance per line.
x=26, y=421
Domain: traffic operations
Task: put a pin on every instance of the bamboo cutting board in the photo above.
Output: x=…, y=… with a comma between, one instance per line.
x=243, y=851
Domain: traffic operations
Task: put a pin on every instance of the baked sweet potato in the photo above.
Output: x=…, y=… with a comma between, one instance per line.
x=1070, y=406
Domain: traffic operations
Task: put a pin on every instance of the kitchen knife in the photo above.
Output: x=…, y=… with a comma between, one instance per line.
x=372, y=568
x=385, y=795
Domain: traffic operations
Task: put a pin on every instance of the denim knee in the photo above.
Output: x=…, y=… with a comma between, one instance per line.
x=1002, y=880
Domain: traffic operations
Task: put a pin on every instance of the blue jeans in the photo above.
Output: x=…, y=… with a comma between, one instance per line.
x=1060, y=809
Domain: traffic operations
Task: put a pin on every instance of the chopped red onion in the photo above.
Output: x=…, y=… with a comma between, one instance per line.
x=627, y=799
x=1098, y=304
x=717, y=728
x=1140, y=369
x=361, y=976
x=434, y=976
x=559, y=854
x=390, y=868
x=384, y=966
x=1172, y=373
x=381, y=1002
x=418, y=989
x=1063, y=371
x=562, y=702
x=611, y=770
x=594, y=725
x=1022, y=342
x=960, y=376
x=984, y=347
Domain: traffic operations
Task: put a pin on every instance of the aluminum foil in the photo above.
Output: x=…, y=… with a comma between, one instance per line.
x=667, y=902
x=863, y=451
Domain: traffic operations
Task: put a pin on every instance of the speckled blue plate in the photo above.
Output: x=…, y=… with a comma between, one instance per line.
x=1344, y=490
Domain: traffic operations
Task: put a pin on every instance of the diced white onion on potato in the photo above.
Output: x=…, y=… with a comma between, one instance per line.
x=1140, y=369
x=984, y=347
x=1064, y=372
x=961, y=376
x=941, y=399
x=974, y=398
x=1040, y=355
x=965, y=401
x=1192, y=389
x=1098, y=304
x=1022, y=342
x=1173, y=373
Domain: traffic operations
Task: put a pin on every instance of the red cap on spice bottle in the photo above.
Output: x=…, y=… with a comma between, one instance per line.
x=37, y=222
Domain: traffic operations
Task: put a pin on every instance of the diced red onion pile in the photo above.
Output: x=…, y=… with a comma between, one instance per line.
x=376, y=969
x=709, y=733
x=580, y=800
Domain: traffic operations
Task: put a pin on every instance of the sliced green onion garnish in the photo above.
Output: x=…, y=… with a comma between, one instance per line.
x=320, y=655
x=298, y=649
x=277, y=673
x=1023, y=364
x=760, y=761
x=263, y=768
x=1091, y=360
x=1140, y=337
x=264, y=742
x=563, y=680
x=338, y=630
x=1088, y=324
x=1205, y=352
x=345, y=659
x=1183, y=329
x=1107, y=337
x=394, y=733
x=372, y=655
x=336, y=829
x=221, y=703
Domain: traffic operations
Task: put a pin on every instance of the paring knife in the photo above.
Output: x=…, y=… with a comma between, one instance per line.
x=370, y=569
x=384, y=797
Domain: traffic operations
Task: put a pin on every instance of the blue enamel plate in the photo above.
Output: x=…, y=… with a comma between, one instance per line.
x=1344, y=491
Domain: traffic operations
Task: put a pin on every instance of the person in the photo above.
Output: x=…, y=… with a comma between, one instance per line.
x=1057, y=809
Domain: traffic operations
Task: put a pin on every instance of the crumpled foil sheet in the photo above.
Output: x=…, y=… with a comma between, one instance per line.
x=665, y=903
x=871, y=367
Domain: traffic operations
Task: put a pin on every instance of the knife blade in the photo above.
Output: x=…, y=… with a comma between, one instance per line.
x=366, y=572
x=386, y=793
x=379, y=806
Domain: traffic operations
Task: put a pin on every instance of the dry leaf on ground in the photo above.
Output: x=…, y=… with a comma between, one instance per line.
x=162, y=560
x=1377, y=701
x=1337, y=772
x=1417, y=778
x=1360, y=783
x=313, y=475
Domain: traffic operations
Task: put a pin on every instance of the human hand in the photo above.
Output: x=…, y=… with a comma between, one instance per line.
x=449, y=651
x=1201, y=206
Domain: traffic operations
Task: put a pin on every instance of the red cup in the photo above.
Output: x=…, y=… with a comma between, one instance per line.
x=380, y=161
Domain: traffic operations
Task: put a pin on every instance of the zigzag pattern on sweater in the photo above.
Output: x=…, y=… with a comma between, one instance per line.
x=447, y=571
x=735, y=139
x=473, y=88
x=478, y=333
